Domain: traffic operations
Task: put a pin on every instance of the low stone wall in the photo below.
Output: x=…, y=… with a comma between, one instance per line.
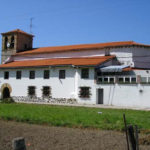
x=44, y=100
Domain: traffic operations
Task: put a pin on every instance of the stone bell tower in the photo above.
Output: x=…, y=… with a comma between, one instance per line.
x=14, y=42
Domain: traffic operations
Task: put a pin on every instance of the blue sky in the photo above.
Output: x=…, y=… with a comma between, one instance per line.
x=66, y=22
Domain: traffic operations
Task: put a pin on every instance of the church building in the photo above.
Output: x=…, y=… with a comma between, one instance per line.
x=114, y=73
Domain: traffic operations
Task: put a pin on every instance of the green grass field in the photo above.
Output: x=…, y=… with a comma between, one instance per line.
x=74, y=116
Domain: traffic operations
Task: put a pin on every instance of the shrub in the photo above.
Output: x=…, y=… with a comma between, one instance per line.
x=8, y=100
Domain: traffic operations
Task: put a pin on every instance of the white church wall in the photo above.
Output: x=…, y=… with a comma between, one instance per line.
x=87, y=83
x=60, y=88
x=127, y=95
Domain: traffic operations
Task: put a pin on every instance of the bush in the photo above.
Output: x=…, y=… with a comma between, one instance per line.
x=8, y=100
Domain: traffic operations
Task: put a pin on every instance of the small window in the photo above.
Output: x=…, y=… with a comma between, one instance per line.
x=6, y=75
x=18, y=74
x=31, y=91
x=120, y=80
x=84, y=92
x=106, y=80
x=61, y=74
x=46, y=91
x=133, y=80
x=12, y=42
x=32, y=75
x=6, y=42
x=127, y=79
x=85, y=73
x=111, y=80
x=46, y=74
x=100, y=80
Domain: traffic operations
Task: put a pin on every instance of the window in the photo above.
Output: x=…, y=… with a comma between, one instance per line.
x=127, y=79
x=111, y=80
x=84, y=92
x=120, y=80
x=133, y=79
x=46, y=91
x=31, y=91
x=100, y=80
x=85, y=73
x=6, y=41
x=46, y=74
x=18, y=74
x=6, y=75
x=32, y=75
x=12, y=42
x=105, y=80
x=61, y=74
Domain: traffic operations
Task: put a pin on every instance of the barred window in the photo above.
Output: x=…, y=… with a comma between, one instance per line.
x=106, y=80
x=32, y=75
x=31, y=91
x=120, y=80
x=127, y=79
x=111, y=80
x=62, y=74
x=18, y=74
x=85, y=73
x=46, y=74
x=133, y=79
x=46, y=91
x=84, y=92
x=6, y=75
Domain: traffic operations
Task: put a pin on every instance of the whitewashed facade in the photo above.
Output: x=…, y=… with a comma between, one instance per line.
x=129, y=88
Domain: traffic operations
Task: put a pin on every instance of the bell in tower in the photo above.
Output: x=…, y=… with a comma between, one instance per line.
x=14, y=42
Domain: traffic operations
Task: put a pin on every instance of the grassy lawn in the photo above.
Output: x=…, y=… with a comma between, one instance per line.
x=74, y=116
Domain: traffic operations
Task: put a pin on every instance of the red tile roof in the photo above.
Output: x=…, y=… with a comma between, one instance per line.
x=17, y=31
x=88, y=61
x=81, y=47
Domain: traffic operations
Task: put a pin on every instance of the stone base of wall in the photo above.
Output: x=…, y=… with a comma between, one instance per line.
x=44, y=100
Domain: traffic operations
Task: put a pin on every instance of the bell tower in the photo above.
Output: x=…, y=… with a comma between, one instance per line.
x=14, y=42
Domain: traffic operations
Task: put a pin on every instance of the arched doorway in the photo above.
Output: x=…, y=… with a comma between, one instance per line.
x=6, y=93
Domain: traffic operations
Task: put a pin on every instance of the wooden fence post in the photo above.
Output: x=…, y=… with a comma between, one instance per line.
x=136, y=137
x=125, y=124
x=18, y=144
x=132, y=137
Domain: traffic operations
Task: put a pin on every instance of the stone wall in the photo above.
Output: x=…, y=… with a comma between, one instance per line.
x=44, y=100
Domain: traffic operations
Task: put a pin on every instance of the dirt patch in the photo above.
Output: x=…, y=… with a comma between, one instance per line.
x=145, y=140
x=39, y=137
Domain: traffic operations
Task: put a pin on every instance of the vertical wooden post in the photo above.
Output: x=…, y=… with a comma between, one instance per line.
x=124, y=118
x=132, y=137
x=18, y=144
x=136, y=137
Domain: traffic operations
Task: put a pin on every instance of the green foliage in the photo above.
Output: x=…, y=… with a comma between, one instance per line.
x=82, y=117
x=8, y=100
